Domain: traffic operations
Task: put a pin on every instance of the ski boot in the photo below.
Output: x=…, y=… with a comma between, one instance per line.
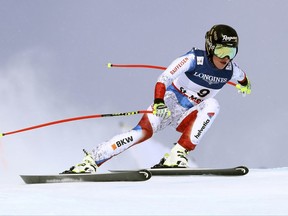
x=176, y=159
x=88, y=165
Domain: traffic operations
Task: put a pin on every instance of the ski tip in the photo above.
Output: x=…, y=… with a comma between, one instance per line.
x=109, y=65
x=242, y=169
x=145, y=173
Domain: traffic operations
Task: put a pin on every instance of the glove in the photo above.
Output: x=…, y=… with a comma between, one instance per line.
x=244, y=89
x=160, y=109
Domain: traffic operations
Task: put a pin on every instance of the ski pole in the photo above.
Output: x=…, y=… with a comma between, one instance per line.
x=109, y=65
x=136, y=66
x=75, y=119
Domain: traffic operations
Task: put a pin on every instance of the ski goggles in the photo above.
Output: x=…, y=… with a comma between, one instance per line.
x=223, y=51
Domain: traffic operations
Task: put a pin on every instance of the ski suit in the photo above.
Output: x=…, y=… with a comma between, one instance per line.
x=188, y=87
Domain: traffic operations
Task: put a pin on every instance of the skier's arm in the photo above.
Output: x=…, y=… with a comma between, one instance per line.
x=244, y=84
x=177, y=67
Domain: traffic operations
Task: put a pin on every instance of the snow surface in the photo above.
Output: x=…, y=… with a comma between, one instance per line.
x=260, y=192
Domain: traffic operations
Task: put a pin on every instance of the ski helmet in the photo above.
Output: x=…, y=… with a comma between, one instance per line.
x=223, y=35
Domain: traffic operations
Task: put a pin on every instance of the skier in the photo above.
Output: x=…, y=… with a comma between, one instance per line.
x=184, y=99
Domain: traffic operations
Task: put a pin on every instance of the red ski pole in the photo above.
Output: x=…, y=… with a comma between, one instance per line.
x=76, y=119
x=146, y=66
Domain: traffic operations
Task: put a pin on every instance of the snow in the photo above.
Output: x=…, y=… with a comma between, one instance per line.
x=260, y=192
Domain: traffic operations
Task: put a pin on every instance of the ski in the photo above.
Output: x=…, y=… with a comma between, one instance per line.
x=235, y=171
x=139, y=175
